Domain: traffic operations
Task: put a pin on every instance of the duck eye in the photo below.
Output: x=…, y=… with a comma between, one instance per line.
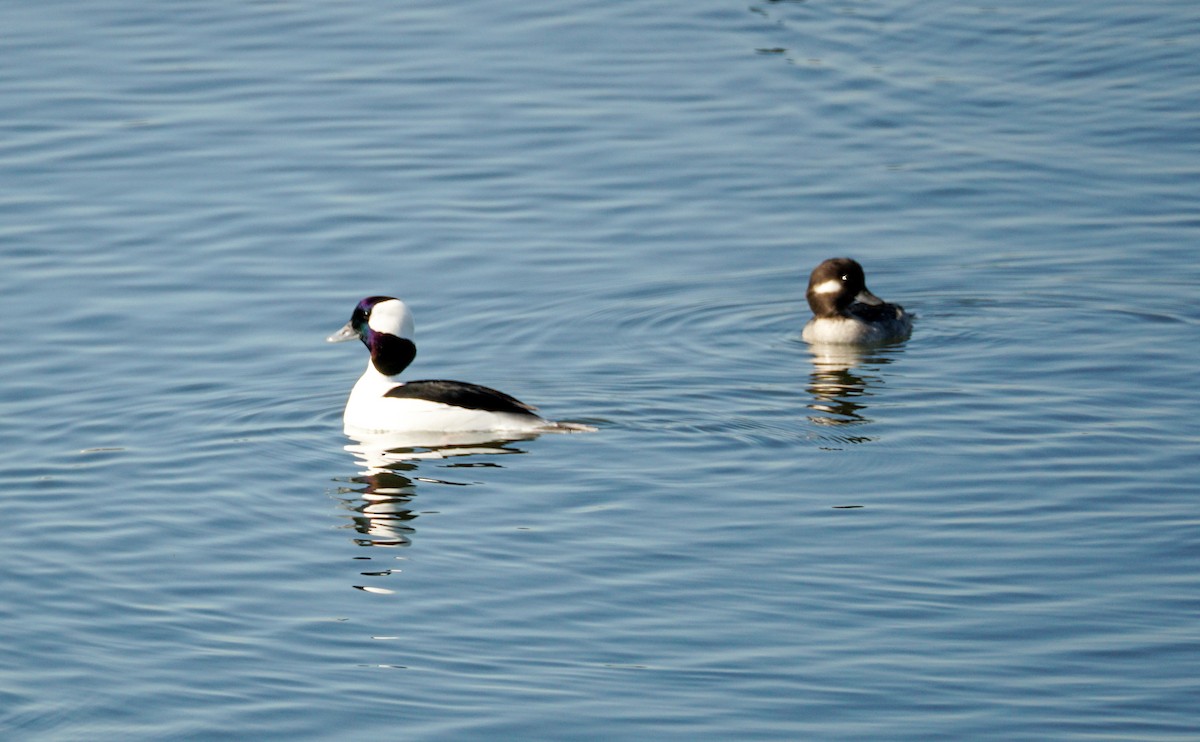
x=845, y=278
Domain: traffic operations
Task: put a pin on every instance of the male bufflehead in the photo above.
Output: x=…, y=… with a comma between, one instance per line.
x=381, y=403
x=845, y=311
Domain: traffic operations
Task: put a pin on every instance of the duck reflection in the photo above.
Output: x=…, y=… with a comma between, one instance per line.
x=379, y=506
x=379, y=498
x=841, y=382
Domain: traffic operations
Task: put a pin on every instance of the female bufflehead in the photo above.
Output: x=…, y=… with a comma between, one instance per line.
x=845, y=311
x=380, y=402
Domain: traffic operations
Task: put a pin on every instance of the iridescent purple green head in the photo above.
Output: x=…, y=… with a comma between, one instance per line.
x=385, y=326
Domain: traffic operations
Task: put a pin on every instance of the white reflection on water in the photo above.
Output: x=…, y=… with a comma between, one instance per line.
x=379, y=497
x=841, y=383
x=383, y=450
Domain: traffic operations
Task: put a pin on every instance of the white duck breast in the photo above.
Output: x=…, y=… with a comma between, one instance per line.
x=380, y=402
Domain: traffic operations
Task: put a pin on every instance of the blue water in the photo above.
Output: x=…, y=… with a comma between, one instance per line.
x=991, y=531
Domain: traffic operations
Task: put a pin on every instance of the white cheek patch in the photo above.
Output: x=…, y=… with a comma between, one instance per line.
x=832, y=286
x=391, y=317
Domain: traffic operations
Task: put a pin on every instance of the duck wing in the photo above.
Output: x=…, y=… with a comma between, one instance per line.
x=460, y=394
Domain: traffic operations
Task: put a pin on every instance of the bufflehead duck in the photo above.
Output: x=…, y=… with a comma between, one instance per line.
x=380, y=402
x=845, y=311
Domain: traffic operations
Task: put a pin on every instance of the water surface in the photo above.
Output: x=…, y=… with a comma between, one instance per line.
x=608, y=210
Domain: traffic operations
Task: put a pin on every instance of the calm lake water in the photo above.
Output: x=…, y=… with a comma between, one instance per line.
x=991, y=531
